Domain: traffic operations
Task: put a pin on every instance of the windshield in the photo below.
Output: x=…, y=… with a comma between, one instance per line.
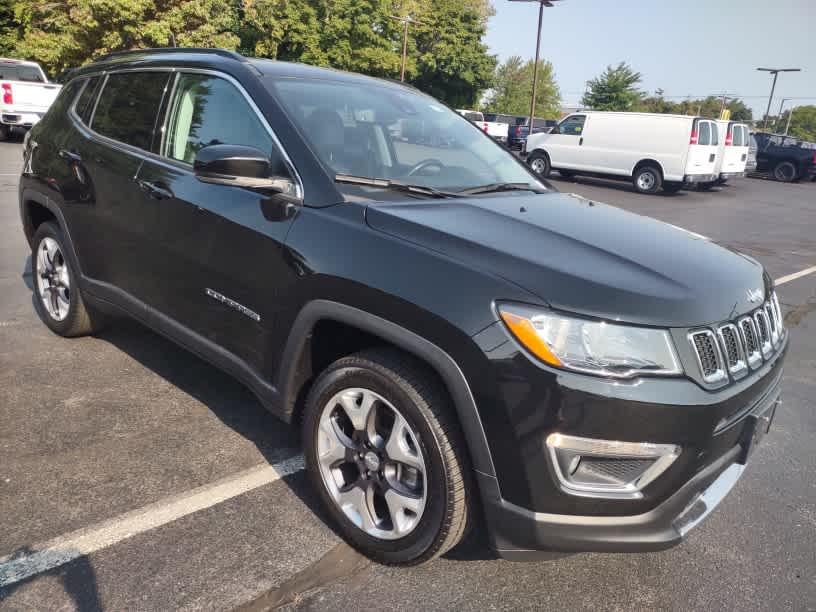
x=392, y=133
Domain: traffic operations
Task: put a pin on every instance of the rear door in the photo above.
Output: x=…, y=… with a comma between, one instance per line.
x=215, y=251
x=703, y=144
x=563, y=145
x=735, y=151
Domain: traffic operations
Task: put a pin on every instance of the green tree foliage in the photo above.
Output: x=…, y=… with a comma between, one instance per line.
x=447, y=57
x=706, y=107
x=513, y=87
x=614, y=90
x=802, y=123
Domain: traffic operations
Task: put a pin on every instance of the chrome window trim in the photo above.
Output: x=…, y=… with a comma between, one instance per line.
x=720, y=375
x=741, y=368
x=754, y=359
x=166, y=161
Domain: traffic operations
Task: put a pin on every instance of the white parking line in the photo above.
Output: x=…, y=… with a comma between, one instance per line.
x=795, y=275
x=68, y=547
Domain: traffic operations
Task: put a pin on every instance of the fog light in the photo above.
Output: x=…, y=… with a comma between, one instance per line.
x=607, y=468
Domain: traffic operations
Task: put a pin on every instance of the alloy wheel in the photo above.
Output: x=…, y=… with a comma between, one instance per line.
x=53, y=279
x=371, y=463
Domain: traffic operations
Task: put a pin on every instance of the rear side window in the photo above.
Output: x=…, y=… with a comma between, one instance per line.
x=84, y=105
x=19, y=72
x=208, y=111
x=128, y=107
x=704, y=137
x=715, y=133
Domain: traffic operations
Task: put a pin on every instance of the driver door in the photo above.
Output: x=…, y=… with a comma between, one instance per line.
x=564, y=146
x=217, y=250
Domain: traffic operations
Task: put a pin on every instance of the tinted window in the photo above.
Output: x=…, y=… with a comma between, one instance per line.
x=128, y=106
x=474, y=117
x=19, y=72
x=704, y=137
x=65, y=97
x=715, y=133
x=206, y=111
x=573, y=125
x=84, y=104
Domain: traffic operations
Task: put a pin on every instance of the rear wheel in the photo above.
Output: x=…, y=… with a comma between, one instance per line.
x=566, y=174
x=672, y=187
x=387, y=458
x=539, y=163
x=5, y=132
x=58, y=299
x=785, y=172
x=647, y=179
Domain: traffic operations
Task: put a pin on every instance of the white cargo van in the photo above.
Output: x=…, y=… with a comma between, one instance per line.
x=652, y=150
x=733, y=150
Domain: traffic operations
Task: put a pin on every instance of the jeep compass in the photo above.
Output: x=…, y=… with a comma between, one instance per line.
x=460, y=344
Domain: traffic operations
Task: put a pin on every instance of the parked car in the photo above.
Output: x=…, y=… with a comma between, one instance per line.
x=652, y=150
x=487, y=123
x=27, y=95
x=785, y=158
x=457, y=341
x=518, y=133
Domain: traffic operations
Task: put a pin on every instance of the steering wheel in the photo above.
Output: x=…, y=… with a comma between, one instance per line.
x=425, y=163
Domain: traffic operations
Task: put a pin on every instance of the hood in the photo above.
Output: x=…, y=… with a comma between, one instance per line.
x=584, y=257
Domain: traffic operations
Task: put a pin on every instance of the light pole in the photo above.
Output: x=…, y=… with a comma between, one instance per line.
x=405, y=21
x=779, y=114
x=775, y=72
x=541, y=5
x=790, y=114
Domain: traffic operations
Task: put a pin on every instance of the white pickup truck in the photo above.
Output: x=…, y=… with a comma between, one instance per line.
x=25, y=95
x=494, y=129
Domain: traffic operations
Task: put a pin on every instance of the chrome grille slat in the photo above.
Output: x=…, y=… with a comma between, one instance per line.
x=740, y=345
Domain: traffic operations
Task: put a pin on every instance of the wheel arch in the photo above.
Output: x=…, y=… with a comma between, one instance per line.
x=295, y=370
x=35, y=209
x=648, y=161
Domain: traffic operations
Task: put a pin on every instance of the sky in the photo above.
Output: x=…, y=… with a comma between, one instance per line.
x=691, y=47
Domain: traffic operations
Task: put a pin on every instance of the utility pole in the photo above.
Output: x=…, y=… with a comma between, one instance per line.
x=779, y=114
x=775, y=72
x=541, y=5
x=790, y=114
x=405, y=21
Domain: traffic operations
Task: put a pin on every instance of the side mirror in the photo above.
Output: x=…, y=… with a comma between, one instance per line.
x=239, y=166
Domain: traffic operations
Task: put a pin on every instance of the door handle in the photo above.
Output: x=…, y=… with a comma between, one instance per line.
x=70, y=156
x=581, y=141
x=157, y=191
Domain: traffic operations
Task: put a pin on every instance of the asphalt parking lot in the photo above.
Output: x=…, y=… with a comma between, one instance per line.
x=135, y=476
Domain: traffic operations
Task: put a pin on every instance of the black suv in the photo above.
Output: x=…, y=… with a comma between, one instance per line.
x=460, y=343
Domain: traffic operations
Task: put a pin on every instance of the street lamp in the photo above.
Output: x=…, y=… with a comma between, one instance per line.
x=541, y=5
x=775, y=72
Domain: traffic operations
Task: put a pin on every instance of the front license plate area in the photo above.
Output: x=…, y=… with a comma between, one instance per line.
x=757, y=424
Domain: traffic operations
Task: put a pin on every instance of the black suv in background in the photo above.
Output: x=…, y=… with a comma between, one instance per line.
x=785, y=158
x=460, y=344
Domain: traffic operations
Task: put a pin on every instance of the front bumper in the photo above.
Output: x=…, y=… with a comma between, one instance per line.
x=699, y=178
x=530, y=515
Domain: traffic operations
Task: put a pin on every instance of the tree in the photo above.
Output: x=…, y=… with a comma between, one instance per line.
x=513, y=87
x=802, y=123
x=707, y=107
x=614, y=90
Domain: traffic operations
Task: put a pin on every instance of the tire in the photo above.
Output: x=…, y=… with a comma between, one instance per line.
x=5, y=133
x=785, y=172
x=539, y=163
x=705, y=186
x=566, y=174
x=400, y=388
x=671, y=187
x=66, y=313
x=647, y=179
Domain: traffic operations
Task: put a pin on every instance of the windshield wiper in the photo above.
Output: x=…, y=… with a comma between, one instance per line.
x=493, y=187
x=395, y=185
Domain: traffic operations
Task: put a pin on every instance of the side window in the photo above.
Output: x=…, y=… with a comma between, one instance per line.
x=705, y=133
x=128, y=106
x=84, y=105
x=209, y=110
x=65, y=98
x=715, y=137
x=572, y=125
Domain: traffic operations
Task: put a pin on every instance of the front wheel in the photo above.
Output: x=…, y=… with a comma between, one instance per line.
x=647, y=179
x=386, y=457
x=539, y=163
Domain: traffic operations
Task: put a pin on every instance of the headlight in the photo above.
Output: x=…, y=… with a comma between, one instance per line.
x=594, y=347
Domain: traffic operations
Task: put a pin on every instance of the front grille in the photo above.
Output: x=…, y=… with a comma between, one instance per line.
x=736, y=347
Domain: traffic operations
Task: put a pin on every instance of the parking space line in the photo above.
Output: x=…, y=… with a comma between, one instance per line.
x=63, y=549
x=795, y=275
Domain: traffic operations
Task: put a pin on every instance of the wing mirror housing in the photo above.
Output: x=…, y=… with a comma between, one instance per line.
x=241, y=166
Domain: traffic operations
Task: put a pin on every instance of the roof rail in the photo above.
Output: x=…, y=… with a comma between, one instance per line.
x=221, y=52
